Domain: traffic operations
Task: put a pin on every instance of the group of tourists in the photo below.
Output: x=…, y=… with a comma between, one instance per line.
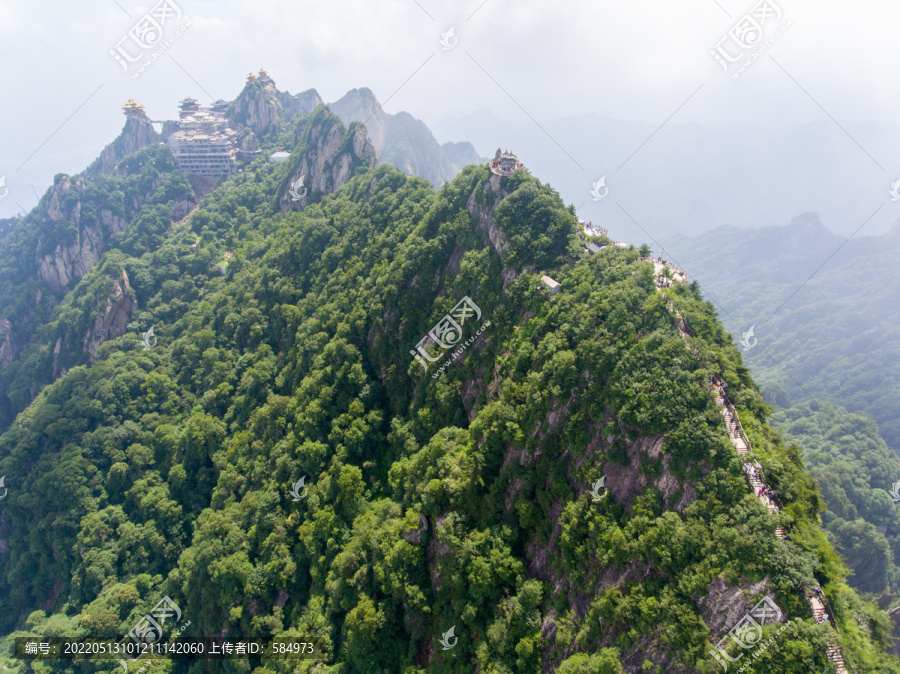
x=764, y=492
x=715, y=381
x=753, y=469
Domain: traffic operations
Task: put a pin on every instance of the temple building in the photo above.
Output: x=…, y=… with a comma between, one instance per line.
x=204, y=145
x=132, y=108
x=188, y=107
x=263, y=76
x=504, y=163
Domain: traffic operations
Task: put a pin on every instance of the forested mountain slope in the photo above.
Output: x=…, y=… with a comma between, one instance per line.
x=438, y=497
x=824, y=308
x=856, y=472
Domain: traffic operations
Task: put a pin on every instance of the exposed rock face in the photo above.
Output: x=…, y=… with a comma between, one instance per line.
x=7, y=352
x=725, y=605
x=482, y=215
x=626, y=483
x=894, y=614
x=248, y=145
x=360, y=105
x=404, y=141
x=257, y=107
x=414, y=536
x=169, y=127
x=303, y=103
x=328, y=154
x=138, y=133
x=72, y=261
x=113, y=317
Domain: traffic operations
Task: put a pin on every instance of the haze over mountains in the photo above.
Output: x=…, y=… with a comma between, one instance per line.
x=686, y=178
x=285, y=326
x=834, y=336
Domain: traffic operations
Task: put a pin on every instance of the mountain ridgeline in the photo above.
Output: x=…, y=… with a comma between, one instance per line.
x=432, y=505
x=136, y=182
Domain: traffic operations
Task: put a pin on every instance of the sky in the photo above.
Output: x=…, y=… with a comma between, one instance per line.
x=524, y=61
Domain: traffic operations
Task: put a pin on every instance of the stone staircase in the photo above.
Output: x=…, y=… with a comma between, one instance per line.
x=742, y=446
x=835, y=656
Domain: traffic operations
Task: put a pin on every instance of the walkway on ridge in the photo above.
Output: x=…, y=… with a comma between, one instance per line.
x=742, y=446
x=756, y=478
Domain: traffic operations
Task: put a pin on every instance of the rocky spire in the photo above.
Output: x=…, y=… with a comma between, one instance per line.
x=325, y=159
x=138, y=133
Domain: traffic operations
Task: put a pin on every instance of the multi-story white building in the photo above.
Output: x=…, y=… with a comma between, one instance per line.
x=204, y=145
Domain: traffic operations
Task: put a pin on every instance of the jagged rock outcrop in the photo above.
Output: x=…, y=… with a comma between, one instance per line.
x=404, y=141
x=299, y=104
x=137, y=133
x=69, y=262
x=257, y=107
x=482, y=213
x=109, y=318
x=360, y=105
x=71, y=258
x=113, y=317
x=325, y=159
x=248, y=145
x=169, y=127
x=894, y=614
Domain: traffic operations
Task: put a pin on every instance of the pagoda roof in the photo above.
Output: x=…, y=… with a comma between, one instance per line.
x=132, y=105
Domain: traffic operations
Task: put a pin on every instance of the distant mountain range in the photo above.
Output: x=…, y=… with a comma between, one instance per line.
x=824, y=310
x=404, y=141
x=688, y=178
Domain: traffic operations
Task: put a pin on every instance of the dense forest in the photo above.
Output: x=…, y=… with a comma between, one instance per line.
x=823, y=308
x=286, y=351
x=856, y=472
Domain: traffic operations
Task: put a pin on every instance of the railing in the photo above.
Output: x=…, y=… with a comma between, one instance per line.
x=833, y=622
x=762, y=478
x=737, y=420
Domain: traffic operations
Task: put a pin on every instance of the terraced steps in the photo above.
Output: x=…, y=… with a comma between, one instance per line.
x=741, y=446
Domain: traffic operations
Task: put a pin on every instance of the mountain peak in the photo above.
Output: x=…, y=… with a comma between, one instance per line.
x=138, y=132
x=326, y=157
